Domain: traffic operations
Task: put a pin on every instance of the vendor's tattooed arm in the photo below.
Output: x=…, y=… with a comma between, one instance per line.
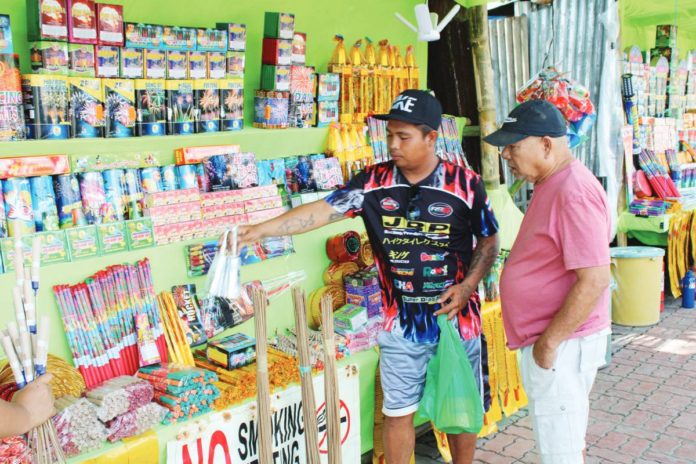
x=296, y=221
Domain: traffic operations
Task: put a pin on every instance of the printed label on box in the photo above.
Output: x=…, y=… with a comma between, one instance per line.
x=83, y=242
x=140, y=234
x=112, y=237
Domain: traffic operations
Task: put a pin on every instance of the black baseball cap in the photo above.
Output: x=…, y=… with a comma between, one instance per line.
x=415, y=107
x=532, y=118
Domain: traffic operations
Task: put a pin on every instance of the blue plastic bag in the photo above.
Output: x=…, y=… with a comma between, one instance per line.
x=451, y=398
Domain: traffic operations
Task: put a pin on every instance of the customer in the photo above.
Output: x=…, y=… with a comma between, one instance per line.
x=554, y=286
x=422, y=215
x=30, y=407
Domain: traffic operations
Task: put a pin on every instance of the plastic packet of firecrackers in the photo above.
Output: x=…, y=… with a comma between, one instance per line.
x=14, y=450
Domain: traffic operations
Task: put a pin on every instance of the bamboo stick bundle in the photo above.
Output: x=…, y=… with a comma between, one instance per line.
x=309, y=406
x=263, y=391
x=333, y=419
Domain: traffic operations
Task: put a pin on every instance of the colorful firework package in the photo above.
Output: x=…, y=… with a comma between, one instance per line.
x=151, y=179
x=197, y=65
x=93, y=196
x=181, y=108
x=6, y=46
x=18, y=208
x=218, y=173
x=82, y=60
x=82, y=22
x=119, y=96
x=271, y=172
x=87, y=107
x=236, y=35
x=151, y=110
x=168, y=177
x=43, y=199
x=232, y=104
x=271, y=109
x=190, y=313
x=49, y=58
x=3, y=216
x=155, y=64
x=177, y=64
x=46, y=106
x=133, y=194
x=11, y=110
x=217, y=65
x=107, y=61
x=47, y=19
x=235, y=64
x=110, y=25
x=114, y=190
x=68, y=201
x=207, y=99
x=131, y=61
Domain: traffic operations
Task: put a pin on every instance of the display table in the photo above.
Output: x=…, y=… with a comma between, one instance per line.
x=648, y=230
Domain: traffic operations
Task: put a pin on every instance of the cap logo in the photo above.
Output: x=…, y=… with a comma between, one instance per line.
x=509, y=119
x=404, y=103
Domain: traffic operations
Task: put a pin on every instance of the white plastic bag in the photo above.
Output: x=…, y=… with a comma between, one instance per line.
x=224, y=274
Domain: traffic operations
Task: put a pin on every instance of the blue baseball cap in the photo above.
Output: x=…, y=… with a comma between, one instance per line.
x=537, y=118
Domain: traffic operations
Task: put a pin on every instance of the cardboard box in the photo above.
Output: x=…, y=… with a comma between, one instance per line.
x=6, y=46
x=181, y=39
x=132, y=63
x=50, y=58
x=350, y=318
x=299, y=48
x=233, y=351
x=177, y=65
x=236, y=36
x=83, y=242
x=112, y=237
x=275, y=78
x=108, y=59
x=195, y=155
x=140, y=234
x=151, y=109
x=87, y=109
x=327, y=113
x=277, y=52
x=46, y=108
x=279, y=25
x=82, y=60
x=82, y=22
x=231, y=104
x=302, y=115
x=110, y=25
x=235, y=64
x=47, y=20
x=666, y=36
x=181, y=109
x=303, y=84
x=271, y=109
x=155, y=64
x=119, y=97
x=211, y=40
x=206, y=94
x=198, y=65
x=217, y=65
x=329, y=87
x=139, y=35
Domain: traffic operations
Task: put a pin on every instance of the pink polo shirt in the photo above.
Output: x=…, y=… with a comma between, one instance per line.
x=567, y=226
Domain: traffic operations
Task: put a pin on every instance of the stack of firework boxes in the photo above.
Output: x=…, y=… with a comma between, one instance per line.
x=185, y=80
x=286, y=98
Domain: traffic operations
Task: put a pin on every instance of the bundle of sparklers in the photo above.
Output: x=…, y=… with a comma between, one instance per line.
x=26, y=347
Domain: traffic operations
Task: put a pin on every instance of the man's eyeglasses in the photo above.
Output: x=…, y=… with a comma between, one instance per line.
x=412, y=210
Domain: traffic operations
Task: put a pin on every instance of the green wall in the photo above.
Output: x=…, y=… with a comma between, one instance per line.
x=639, y=18
x=321, y=20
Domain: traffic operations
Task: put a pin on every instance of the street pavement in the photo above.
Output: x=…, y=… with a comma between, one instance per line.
x=643, y=404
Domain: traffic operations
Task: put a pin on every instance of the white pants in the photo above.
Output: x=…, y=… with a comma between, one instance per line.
x=559, y=397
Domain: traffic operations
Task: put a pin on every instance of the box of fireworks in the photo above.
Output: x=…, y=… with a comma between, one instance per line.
x=139, y=233
x=236, y=35
x=82, y=22
x=302, y=177
x=225, y=197
x=235, y=64
x=107, y=61
x=181, y=39
x=329, y=88
x=670, y=53
x=271, y=172
x=299, y=48
x=271, y=109
x=243, y=170
x=49, y=58
x=264, y=215
x=6, y=46
x=87, y=107
x=259, y=204
x=143, y=35
x=46, y=106
x=151, y=110
x=119, y=97
x=252, y=193
x=275, y=78
x=231, y=104
x=33, y=166
x=222, y=210
x=666, y=35
x=177, y=64
x=110, y=25
x=54, y=249
x=279, y=25
x=362, y=289
x=303, y=84
x=233, y=351
x=168, y=214
x=181, y=112
x=83, y=242
x=277, y=52
x=211, y=40
x=47, y=19
x=327, y=173
x=82, y=60
x=195, y=155
x=217, y=65
x=350, y=318
x=302, y=115
x=112, y=237
x=206, y=93
x=327, y=113
x=197, y=65
x=132, y=63
x=155, y=64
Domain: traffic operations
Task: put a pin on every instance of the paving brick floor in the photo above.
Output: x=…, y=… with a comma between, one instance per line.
x=643, y=405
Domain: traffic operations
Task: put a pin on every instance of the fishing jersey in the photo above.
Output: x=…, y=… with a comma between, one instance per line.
x=422, y=238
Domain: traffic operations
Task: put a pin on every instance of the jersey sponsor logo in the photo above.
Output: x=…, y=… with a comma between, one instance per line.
x=398, y=256
x=404, y=286
x=413, y=241
x=425, y=257
x=440, y=209
x=430, y=286
x=420, y=299
x=395, y=222
x=403, y=271
x=414, y=233
x=389, y=204
x=434, y=271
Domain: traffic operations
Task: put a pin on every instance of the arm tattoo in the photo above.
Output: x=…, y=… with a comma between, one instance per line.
x=335, y=216
x=296, y=225
x=483, y=258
